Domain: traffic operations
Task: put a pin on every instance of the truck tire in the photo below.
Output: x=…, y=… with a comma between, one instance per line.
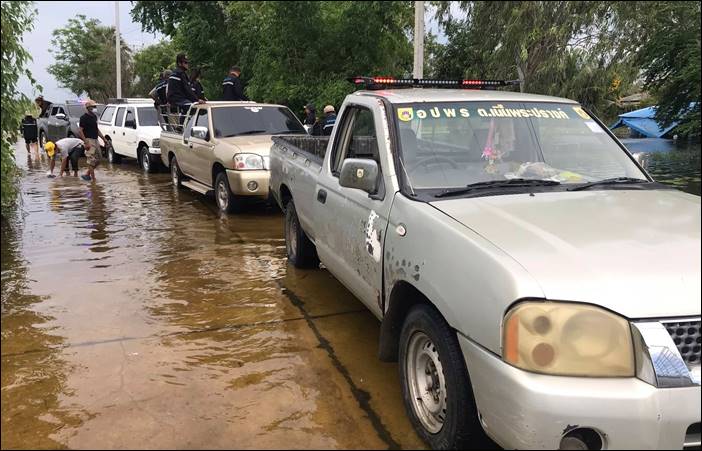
x=436, y=388
x=112, y=156
x=147, y=161
x=301, y=251
x=176, y=174
x=226, y=200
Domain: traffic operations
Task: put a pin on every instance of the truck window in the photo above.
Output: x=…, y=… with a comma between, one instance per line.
x=129, y=120
x=360, y=141
x=230, y=121
x=147, y=117
x=120, y=116
x=76, y=110
x=108, y=114
x=201, y=120
x=189, y=121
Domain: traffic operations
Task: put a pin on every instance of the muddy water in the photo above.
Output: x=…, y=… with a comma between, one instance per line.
x=136, y=316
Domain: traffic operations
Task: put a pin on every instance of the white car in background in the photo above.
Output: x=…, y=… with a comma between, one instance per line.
x=132, y=127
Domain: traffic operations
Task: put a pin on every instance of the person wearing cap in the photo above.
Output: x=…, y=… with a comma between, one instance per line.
x=310, y=122
x=69, y=150
x=89, y=132
x=329, y=120
x=158, y=94
x=232, y=88
x=179, y=93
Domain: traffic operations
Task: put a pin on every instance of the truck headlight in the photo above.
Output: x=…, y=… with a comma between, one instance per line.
x=246, y=161
x=568, y=340
x=155, y=143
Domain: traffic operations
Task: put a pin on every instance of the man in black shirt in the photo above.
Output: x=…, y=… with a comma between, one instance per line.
x=180, y=93
x=89, y=133
x=29, y=131
x=232, y=88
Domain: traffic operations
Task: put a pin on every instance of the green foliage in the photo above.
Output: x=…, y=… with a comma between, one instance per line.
x=290, y=52
x=17, y=18
x=149, y=63
x=84, y=53
x=670, y=59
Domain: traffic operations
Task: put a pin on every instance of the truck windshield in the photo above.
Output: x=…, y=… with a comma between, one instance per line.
x=254, y=120
x=76, y=111
x=455, y=144
x=147, y=117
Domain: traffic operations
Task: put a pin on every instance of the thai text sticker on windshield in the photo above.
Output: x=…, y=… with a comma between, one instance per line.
x=496, y=111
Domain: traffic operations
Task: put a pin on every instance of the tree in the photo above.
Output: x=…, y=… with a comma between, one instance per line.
x=290, y=52
x=149, y=63
x=669, y=55
x=17, y=18
x=84, y=52
x=561, y=48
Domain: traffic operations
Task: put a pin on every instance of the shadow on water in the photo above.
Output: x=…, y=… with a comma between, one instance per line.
x=678, y=166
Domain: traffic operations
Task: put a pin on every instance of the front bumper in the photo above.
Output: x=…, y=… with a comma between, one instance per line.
x=239, y=182
x=524, y=410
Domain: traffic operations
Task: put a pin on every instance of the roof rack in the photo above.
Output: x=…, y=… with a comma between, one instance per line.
x=130, y=100
x=391, y=82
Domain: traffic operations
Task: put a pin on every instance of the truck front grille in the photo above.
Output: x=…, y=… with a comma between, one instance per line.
x=686, y=336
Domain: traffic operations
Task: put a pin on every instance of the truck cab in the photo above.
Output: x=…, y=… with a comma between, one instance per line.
x=535, y=284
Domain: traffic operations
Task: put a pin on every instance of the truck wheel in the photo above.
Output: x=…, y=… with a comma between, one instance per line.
x=112, y=156
x=301, y=251
x=435, y=384
x=226, y=200
x=176, y=174
x=147, y=161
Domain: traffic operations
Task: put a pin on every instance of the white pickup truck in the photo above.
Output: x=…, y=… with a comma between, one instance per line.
x=535, y=284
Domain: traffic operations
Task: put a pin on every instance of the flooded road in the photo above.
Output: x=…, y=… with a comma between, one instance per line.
x=136, y=316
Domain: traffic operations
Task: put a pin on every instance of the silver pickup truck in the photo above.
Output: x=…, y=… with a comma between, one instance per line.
x=534, y=282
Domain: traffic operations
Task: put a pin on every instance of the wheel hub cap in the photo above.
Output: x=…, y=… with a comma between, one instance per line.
x=426, y=381
x=222, y=196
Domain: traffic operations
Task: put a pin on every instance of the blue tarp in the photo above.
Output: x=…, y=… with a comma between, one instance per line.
x=643, y=122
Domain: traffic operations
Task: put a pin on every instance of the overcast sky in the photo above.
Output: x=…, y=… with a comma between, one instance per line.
x=53, y=15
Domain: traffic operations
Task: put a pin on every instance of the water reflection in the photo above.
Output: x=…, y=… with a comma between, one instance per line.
x=34, y=374
x=678, y=166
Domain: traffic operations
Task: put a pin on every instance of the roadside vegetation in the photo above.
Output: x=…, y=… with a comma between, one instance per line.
x=17, y=18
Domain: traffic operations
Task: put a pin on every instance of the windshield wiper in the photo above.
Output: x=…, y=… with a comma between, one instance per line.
x=612, y=181
x=511, y=183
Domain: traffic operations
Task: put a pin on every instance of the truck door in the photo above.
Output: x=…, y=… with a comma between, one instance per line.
x=116, y=132
x=201, y=149
x=352, y=223
x=129, y=134
x=183, y=151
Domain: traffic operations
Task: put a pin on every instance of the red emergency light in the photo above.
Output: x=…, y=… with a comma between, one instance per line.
x=391, y=82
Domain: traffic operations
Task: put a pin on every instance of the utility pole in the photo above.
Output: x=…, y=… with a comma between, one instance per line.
x=118, y=49
x=418, y=39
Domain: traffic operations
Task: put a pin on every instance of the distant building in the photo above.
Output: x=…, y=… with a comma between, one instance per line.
x=642, y=123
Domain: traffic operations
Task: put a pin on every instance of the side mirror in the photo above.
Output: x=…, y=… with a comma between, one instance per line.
x=61, y=116
x=200, y=133
x=359, y=173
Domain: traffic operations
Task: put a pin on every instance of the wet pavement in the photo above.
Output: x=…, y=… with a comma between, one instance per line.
x=136, y=316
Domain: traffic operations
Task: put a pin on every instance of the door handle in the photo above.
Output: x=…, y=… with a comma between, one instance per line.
x=322, y=196
x=122, y=133
x=190, y=145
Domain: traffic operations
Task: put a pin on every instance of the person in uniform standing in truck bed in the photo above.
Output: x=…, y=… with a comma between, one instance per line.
x=179, y=92
x=89, y=133
x=232, y=89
